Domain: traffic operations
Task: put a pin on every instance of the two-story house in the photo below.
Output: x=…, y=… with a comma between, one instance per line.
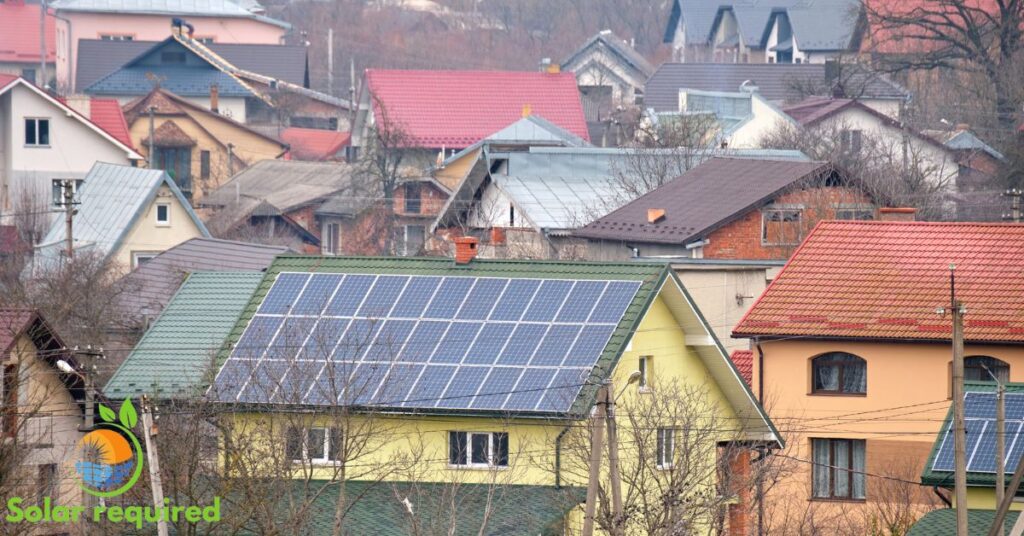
x=44, y=141
x=851, y=349
x=148, y=20
x=485, y=374
x=124, y=216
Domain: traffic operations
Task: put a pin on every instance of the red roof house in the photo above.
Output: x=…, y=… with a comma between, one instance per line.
x=314, y=144
x=19, y=34
x=744, y=361
x=884, y=280
x=454, y=109
x=107, y=114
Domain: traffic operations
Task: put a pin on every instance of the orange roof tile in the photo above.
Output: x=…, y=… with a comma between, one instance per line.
x=744, y=361
x=314, y=144
x=19, y=33
x=884, y=280
x=106, y=114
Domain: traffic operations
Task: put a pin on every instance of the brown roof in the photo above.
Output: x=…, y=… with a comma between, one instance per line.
x=169, y=134
x=702, y=199
x=162, y=105
x=13, y=323
x=885, y=280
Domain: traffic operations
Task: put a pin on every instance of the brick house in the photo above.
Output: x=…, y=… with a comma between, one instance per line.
x=729, y=208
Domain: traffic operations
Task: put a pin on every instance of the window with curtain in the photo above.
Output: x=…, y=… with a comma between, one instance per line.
x=975, y=369
x=839, y=373
x=838, y=471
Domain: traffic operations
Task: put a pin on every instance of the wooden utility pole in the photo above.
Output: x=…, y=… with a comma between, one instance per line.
x=959, y=428
x=1000, y=442
x=152, y=156
x=613, y=461
x=1004, y=505
x=154, y=464
x=596, y=446
x=68, y=196
x=330, y=61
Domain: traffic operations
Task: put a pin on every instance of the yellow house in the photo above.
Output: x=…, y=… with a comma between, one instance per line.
x=125, y=216
x=198, y=147
x=466, y=395
x=41, y=414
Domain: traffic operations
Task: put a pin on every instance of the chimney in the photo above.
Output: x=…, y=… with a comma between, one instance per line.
x=549, y=67
x=465, y=249
x=80, y=103
x=897, y=214
x=214, y=98
x=655, y=215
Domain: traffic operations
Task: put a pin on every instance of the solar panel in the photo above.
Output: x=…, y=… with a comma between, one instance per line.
x=453, y=342
x=979, y=420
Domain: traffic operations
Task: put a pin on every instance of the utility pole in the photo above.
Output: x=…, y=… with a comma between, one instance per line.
x=68, y=202
x=152, y=157
x=231, y=159
x=42, y=44
x=330, y=61
x=596, y=446
x=149, y=430
x=1004, y=506
x=1014, y=194
x=1000, y=443
x=959, y=428
x=613, y=461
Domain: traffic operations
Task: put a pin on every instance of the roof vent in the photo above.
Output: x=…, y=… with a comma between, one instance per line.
x=897, y=214
x=655, y=215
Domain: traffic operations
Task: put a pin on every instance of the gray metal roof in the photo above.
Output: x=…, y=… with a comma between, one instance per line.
x=962, y=140
x=779, y=82
x=284, y=184
x=178, y=350
x=195, y=8
x=559, y=188
x=111, y=200
x=618, y=47
x=532, y=130
x=148, y=288
x=821, y=24
x=98, y=58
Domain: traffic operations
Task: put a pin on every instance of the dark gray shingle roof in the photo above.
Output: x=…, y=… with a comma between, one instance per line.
x=775, y=81
x=149, y=287
x=701, y=199
x=97, y=58
x=615, y=45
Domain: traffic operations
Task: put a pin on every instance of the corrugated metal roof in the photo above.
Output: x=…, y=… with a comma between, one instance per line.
x=98, y=58
x=111, y=200
x=779, y=82
x=284, y=184
x=148, y=288
x=179, y=349
x=200, y=8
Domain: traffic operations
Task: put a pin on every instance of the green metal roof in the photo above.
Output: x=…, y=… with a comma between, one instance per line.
x=943, y=522
x=651, y=274
x=177, y=351
x=380, y=507
x=945, y=478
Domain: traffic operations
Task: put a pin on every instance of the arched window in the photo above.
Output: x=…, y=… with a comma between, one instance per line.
x=975, y=369
x=839, y=373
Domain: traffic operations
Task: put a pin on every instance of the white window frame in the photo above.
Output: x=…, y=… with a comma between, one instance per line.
x=491, y=446
x=325, y=458
x=328, y=230
x=665, y=450
x=156, y=215
x=49, y=133
x=148, y=255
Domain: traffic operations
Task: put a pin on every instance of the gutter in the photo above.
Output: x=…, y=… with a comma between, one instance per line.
x=760, y=371
x=558, y=456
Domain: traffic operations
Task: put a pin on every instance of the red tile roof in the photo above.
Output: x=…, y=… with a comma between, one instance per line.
x=313, y=144
x=455, y=109
x=19, y=33
x=744, y=361
x=884, y=280
x=6, y=79
x=887, y=33
x=107, y=114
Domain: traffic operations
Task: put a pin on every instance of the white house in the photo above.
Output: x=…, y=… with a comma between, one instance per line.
x=738, y=120
x=43, y=140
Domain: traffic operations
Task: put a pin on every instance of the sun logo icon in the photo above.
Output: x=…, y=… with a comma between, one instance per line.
x=110, y=457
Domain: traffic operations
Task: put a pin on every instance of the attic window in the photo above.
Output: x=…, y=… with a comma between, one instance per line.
x=781, y=226
x=172, y=57
x=163, y=214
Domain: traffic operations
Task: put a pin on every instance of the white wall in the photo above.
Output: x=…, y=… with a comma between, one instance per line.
x=765, y=119
x=593, y=70
x=74, y=146
x=493, y=211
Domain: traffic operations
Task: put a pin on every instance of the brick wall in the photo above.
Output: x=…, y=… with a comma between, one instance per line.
x=741, y=239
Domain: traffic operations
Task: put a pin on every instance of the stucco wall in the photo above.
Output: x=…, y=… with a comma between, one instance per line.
x=147, y=236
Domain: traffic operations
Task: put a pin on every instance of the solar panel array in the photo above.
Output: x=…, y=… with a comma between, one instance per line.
x=980, y=422
x=424, y=342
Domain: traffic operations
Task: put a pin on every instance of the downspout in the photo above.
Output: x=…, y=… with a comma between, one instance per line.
x=942, y=497
x=558, y=456
x=760, y=371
